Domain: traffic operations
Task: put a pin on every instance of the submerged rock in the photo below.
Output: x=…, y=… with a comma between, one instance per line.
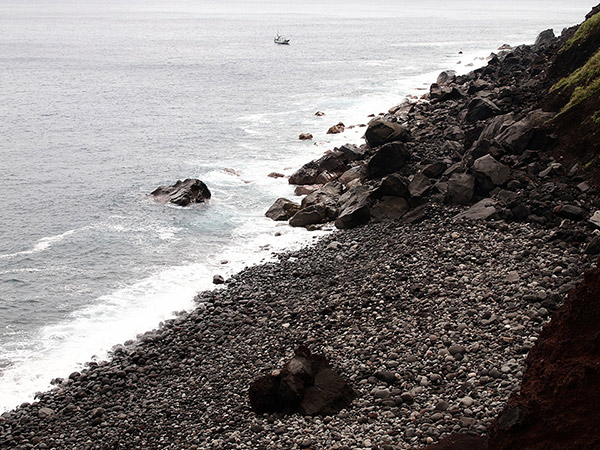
x=183, y=193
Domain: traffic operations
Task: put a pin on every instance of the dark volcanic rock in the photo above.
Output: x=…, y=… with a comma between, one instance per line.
x=388, y=159
x=336, y=129
x=460, y=188
x=306, y=384
x=183, y=193
x=282, y=209
x=480, y=109
x=381, y=131
x=354, y=207
x=322, y=170
x=394, y=185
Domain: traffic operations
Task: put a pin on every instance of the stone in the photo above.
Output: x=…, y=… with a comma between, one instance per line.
x=570, y=212
x=482, y=210
x=467, y=401
x=183, y=193
x=353, y=152
x=445, y=77
x=218, y=279
x=336, y=129
x=545, y=38
x=310, y=215
x=305, y=136
x=494, y=171
x=388, y=159
x=381, y=393
x=389, y=208
x=354, y=173
x=419, y=186
x=525, y=134
x=380, y=131
x=593, y=248
x=319, y=114
x=460, y=188
x=354, y=207
x=275, y=175
x=394, y=185
x=435, y=169
x=282, y=209
x=322, y=170
x=455, y=348
x=595, y=219
x=44, y=413
x=480, y=109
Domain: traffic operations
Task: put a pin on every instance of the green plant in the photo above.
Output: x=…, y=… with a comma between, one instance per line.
x=584, y=31
x=584, y=82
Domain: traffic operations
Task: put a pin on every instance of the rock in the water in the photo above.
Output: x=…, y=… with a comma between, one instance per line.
x=480, y=109
x=320, y=171
x=335, y=129
x=282, y=209
x=183, y=193
x=494, y=171
x=306, y=384
x=218, y=279
x=319, y=114
x=305, y=136
x=388, y=159
x=460, y=188
x=381, y=131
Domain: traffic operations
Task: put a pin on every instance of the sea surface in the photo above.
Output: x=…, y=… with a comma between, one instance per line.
x=103, y=101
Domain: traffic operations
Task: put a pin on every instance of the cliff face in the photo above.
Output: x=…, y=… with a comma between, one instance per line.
x=575, y=92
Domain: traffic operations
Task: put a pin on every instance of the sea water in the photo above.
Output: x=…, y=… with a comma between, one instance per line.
x=101, y=102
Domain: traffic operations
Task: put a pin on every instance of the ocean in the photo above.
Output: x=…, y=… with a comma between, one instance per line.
x=102, y=102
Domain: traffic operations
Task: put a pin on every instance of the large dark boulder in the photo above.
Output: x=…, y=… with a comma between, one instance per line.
x=460, y=188
x=354, y=206
x=527, y=133
x=381, y=131
x=312, y=215
x=480, y=109
x=282, y=209
x=389, y=159
x=322, y=170
x=389, y=208
x=183, y=193
x=490, y=171
x=305, y=385
x=394, y=185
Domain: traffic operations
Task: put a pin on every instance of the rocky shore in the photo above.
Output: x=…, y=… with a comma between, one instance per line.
x=459, y=241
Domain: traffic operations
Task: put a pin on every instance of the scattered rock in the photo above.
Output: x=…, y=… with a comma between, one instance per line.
x=183, y=193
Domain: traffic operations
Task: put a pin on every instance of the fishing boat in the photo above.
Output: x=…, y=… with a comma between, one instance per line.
x=281, y=40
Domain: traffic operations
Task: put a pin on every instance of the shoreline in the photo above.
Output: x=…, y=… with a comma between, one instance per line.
x=449, y=307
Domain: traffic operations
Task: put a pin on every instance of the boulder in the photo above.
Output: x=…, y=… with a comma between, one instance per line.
x=354, y=207
x=495, y=126
x=322, y=170
x=310, y=216
x=446, y=77
x=218, y=279
x=354, y=173
x=183, y=193
x=389, y=208
x=336, y=129
x=305, y=189
x=388, y=159
x=319, y=114
x=353, y=152
x=545, y=38
x=419, y=186
x=595, y=219
x=494, y=171
x=460, y=188
x=482, y=210
x=328, y=196
x=380, y=131
x=527, y=133
x=394, y=185
x=306, y=385
x=570, y=212
x=480, y=109
x=435, y=169
x=305, y=136
x=282, y=209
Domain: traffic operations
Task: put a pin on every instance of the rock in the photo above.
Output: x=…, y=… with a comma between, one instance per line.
x=388, y=159
x=394, y=185
x=306, y=189
x=595, y=219
x=389, y=208
x=552, y=169
x=328, y=196
x=525, y=134
x=306, y=384
x=322, y=170
x=455, y=349
x=544, y=38
x=275, y=175
x=419, y=186
x=494, y=171
x=480, y=109
x=305, y=136
x=593, y=248
x=311, y=215
x=386, y=376
x=44, y=413
x=354, y=207
x=435, y=169
x=282, y=209
x=570, y=212
x=218, y=279
x=336, y=129
x=482, y=210
x=183, y=193
x=353, y=152
x=446, y=77
x=319, y=114
x=460, y=188
x=380, y=132
x=354, y=173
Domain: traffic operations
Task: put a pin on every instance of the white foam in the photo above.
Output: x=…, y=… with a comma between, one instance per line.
x=89, y=333
x=43, y=244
